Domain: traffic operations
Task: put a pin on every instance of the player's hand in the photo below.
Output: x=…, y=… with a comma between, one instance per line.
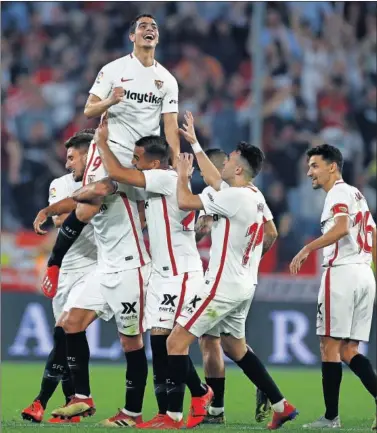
x=40, y=219
x=298, y=260
x=184, y=165
x=102, y=132
x=188, y=130
x=116, y=95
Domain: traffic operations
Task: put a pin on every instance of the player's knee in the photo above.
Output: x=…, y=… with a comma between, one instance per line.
x=73, y=323
x=347, y=353
x=330, y=350
x=210, y=346
x=131, y=343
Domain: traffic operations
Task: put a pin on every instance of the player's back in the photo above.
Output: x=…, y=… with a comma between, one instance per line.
x=356, y=247
x=118, y=233
x=149, y=92
x=171, y=230
x=83, y=252
x=237, y=231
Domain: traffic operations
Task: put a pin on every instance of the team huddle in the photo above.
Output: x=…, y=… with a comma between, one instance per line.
x=125, y=178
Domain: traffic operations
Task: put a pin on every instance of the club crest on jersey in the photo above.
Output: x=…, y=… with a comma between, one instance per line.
x=158, y=84
x=260, y=207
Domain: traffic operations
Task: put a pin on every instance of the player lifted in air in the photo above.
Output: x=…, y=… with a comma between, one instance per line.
x=76, y=266
x=210, y=345
x=220, y=306
x=135, y=90
x=348, y=286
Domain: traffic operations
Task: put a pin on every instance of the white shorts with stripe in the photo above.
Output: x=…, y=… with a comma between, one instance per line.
x=120, y=295
x=208, y=313
x=346, y=302
x=70, y=286
x=95, y=170
x=168, y=296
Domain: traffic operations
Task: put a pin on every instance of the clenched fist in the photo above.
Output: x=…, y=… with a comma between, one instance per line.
x=116, y=95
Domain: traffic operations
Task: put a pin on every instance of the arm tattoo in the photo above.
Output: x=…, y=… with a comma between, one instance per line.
x=268, y=241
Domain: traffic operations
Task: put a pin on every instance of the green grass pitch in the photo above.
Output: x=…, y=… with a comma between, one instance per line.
x=20, y=383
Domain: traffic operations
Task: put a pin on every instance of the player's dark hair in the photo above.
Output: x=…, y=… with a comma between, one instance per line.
x=155, y=147
x=253, y=155
x=134, y=21
x=81, y=140
x=215, y=152
x=329, y=153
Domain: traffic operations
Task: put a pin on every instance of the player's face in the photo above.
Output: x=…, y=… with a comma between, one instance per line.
x=230, y=166
x=76, y=161
x=141, y=160
x=320, y=171
x=146, y=33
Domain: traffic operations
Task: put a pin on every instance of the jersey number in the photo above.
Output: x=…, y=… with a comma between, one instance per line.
x=97, y=163
x=255, y=232
x=361, y=219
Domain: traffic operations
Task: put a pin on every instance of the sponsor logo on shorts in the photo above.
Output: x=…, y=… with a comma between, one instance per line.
x=168, y=304
x=128, y=307
x=129, y=312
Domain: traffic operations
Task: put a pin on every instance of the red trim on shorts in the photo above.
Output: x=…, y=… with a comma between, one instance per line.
x=182, y=296
x=88, y=165
x=212, y=294
x=168, y=235
x=130, y=216
x=141, y=288
x=331, y=261
x=327, y=303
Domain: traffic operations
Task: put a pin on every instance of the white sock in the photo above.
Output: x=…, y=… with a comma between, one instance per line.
x=82, y=396
x=129, y=413
x=279, y=406
x=215, y=410
x=175, y=416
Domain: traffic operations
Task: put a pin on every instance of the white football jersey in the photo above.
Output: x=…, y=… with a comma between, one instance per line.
x=171, y=230
x=118, y=233
x=149, y=92
x=356, y=247
x=83, y=252
x=237, y=232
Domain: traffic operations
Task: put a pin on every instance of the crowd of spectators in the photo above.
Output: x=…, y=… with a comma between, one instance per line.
x=319, y=86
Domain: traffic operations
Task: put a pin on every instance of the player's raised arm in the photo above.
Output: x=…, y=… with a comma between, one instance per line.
x=111, y=163
x=186, y=199
x=210, y=173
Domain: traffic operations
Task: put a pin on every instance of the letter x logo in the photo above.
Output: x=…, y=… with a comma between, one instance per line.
x=169, y=300
x=319, y=312
x=128, y=307
x=194, y=301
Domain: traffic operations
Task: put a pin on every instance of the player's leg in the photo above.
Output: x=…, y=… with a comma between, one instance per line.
x=334, y=322
x=125, y=294
x=233, y=341
x=214, y=371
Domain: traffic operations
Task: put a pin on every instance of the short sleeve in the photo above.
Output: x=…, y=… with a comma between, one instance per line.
x=159, y=182
x=103, y=84
x=170, y=101
x=58, y=191
x=339, y=202
x=225, y=202
x=267, y=214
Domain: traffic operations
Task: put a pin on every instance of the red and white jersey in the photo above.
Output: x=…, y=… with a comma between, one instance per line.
x=149, y=92
x=237, y=238
x=171, y=230
x=83, y=252
x=356, y=247
x=118, y=233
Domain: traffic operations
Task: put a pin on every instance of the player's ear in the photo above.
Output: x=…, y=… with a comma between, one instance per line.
x=132, y=37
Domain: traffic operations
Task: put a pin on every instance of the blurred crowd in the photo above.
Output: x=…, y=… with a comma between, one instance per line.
x=319, y=86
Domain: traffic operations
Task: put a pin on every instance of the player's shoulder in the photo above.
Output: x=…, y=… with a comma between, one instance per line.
x=341, y=189
x=67, y=182
x=120, y=62
x=208, y=189
x=163, y=72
